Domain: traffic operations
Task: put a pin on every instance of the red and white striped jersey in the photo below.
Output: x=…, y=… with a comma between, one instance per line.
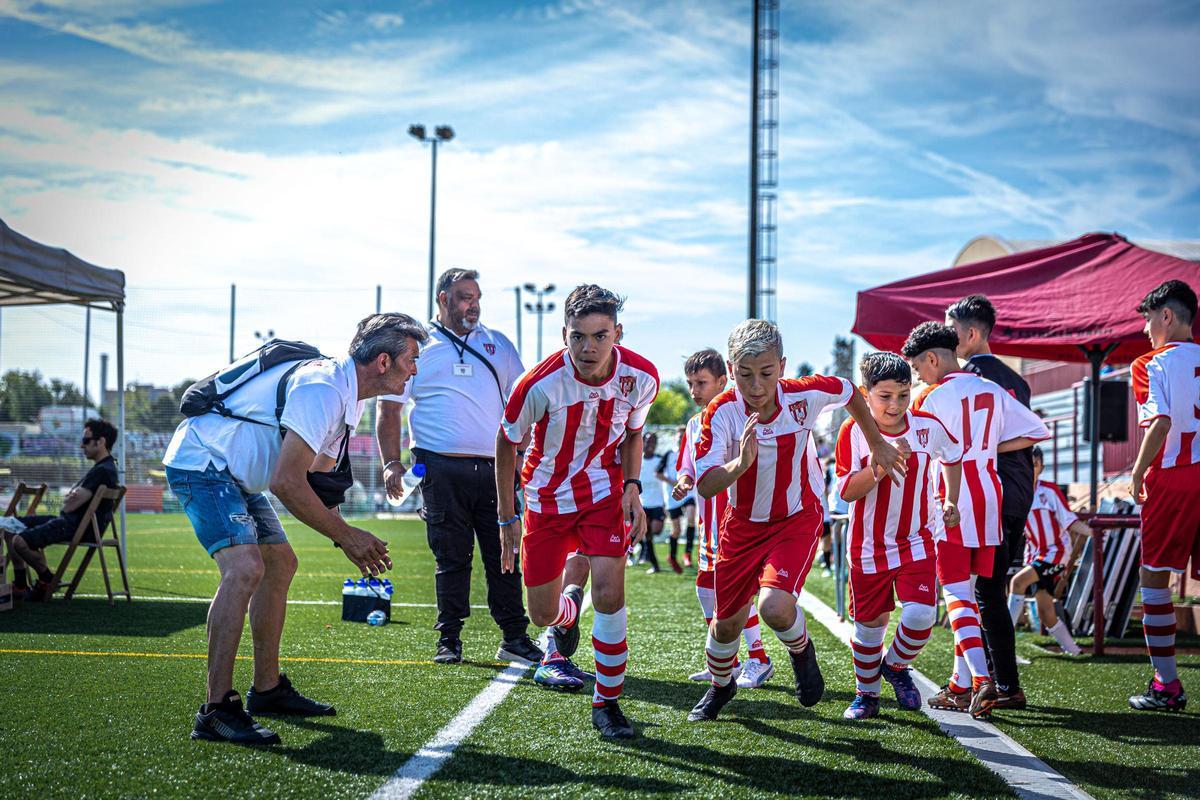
x=784, y=478
x=708, y=512
x=981, y=415
x=1166, y=383
x=894, y=525
x=573, y=461
x=1049, y=518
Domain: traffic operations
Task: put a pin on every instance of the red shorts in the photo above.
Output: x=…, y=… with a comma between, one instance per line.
x=706, y=579
x=751, y=555
x=1171, y=519
x=550, y=538
x=957, y=563
x=871, y=594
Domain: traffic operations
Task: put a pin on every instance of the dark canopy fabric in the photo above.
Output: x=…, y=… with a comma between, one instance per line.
x=1049, y=302
x=35, y=274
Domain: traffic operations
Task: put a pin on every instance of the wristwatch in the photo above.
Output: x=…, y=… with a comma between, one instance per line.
x=633, y=481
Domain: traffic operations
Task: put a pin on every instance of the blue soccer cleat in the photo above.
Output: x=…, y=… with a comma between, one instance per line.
x=558, y=674
x=907, y=694
x=864, y=706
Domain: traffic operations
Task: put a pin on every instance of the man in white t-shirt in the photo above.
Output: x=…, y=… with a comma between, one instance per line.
x=467, y=372
x=218, y=466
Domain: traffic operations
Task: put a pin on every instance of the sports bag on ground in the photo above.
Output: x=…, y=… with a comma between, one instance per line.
x=208, y=396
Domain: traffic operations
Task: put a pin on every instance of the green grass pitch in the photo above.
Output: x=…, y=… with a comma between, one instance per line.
x=77, y=724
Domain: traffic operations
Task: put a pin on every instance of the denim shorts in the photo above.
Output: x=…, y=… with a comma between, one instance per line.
x=222, y=514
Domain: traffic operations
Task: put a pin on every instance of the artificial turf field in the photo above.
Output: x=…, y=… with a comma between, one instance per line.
x=97, y=701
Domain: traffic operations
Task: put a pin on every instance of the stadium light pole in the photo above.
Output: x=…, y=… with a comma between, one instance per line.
x=441, y=135
x=520, y=349
x=540, y=308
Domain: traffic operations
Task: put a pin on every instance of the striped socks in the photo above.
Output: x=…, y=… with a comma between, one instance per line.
x=969, y=658
x=867, y=646
x=752, y=633
x=916, y=621
x=795, y=638
x=1158, y=622
x=612, y=652
x=721, y=657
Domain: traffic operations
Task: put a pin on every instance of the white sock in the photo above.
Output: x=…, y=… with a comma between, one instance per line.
x=795, y=638
x=721, y=658
x=1015, y=601
x=867, y=649
x=1063, y=637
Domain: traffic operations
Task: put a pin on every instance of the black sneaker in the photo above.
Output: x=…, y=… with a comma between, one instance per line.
x=611, y=723
x=522, y=650
x=810, y=684
x=285, y=701
x=713, y=701
x=228, y=722
x=567, y=639
x=449, y=651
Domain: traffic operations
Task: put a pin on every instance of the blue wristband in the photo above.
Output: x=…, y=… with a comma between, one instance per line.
x=509, y=522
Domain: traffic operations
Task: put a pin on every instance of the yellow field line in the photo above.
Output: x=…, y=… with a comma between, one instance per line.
x=301, y=659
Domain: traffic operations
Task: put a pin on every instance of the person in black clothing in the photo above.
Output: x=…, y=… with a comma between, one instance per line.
x=27, y=546
x=973, y=318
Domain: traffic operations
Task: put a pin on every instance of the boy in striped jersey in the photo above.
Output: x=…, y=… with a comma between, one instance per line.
x=586, y=405
x=986, y=420
x=891, y=548
x=1055, y=534
x=706, y=378
x=1166, y=477
x=754, y=442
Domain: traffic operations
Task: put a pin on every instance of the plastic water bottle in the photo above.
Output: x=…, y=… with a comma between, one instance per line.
x=360, y=588
x=387, y=591
x=411, y=480
x=377, y=617
x=348, y=587
x=374, y=588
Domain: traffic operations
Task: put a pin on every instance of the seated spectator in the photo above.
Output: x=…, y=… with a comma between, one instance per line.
x=40, y=530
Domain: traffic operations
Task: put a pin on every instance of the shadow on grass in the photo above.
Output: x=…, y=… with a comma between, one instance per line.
x=97, y=618
x=343, y=749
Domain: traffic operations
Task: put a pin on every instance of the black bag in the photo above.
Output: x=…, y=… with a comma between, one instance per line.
x=208, y=396
x=331, y=487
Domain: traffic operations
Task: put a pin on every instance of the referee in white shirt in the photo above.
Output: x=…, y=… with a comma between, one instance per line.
x=467, y=372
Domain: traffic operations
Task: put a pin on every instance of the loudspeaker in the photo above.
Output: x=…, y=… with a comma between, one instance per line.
x=1114, y=411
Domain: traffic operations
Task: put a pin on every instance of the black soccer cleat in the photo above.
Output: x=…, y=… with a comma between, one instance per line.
x=810, y=684
x=228, y=722
x=285, y=701
x=611, y=723
x=567, y=639
x=449, y=651
x=713, y=701
x=1160, y=697
x=521, y=649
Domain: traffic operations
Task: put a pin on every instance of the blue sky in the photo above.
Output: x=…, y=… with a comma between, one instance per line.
x=198, y=144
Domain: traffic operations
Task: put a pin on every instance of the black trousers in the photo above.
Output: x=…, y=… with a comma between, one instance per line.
x=999, y=638
x=460, y=507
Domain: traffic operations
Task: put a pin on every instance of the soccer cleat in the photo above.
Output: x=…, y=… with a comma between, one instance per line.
x=674, y=565
x=521, y=650
x=687, y=559
x=983, y=699
x=284, y=700
x=704, y=676
x=810, y=684
x=555, y=674
x=612, y=724
x=949, y=700
x=449, y=651
x=755, y=673
x=908, y=696
x=653, y=571
x=713, y=701
x=228, y=722
x=567, y=639
x=1012, y=701
x=40, y=592
x=864, y=706
x=1160, y=696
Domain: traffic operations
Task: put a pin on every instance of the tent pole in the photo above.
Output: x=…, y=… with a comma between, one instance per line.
x=124, y=434
x=87, y=356
x=1096, y=357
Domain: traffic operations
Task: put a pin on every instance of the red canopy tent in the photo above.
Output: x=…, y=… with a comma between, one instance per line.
x=1074, y=301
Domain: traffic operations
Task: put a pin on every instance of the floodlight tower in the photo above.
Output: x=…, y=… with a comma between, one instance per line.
x=764, y=160
x=441, y=134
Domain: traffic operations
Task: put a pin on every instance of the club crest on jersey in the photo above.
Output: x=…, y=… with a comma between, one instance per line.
x=799, y=411
x=626, y=383
x=490, y=348
x=923, y=437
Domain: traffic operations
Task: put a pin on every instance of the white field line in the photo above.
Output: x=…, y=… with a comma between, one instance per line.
x=1029, y=776
x=169, y=599
x=433, y=754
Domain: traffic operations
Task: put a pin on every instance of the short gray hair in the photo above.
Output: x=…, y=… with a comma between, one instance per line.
x=753, y=338
x=385, y=333
x=453, y=276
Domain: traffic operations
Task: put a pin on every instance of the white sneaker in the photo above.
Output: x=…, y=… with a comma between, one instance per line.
x=704, y=676
x=755, y=673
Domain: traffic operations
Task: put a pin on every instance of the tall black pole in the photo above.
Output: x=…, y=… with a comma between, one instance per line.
x=87, y=356
x=540, y=310
x=517, y=291
x=432, y=225
x=752, y=282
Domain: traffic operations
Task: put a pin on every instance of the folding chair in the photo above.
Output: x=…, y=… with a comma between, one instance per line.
x=95, y=543
x=14, y=506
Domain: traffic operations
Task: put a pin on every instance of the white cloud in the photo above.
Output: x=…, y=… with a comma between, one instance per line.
x=385, y=22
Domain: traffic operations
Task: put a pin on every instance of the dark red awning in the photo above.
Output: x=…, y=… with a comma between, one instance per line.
x=1049, y=302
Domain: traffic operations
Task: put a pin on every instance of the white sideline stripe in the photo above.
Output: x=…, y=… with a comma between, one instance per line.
x=1029, y=776
x=169, y=599
x=433, y=754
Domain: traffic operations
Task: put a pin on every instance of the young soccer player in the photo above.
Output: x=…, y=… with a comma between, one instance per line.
x=706, y=378
x=891, y=548
x=754, y=442
x=679, y=509
x=1055, y=534
x=1166, y=477
x=986, y=420
x=586, y=405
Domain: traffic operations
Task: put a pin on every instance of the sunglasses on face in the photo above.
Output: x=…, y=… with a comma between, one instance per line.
x=89, y=439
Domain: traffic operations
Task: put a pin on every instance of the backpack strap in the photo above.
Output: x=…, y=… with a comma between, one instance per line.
x=281, y=391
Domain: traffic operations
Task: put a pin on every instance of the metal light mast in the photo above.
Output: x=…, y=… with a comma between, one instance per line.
x=764, y=159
